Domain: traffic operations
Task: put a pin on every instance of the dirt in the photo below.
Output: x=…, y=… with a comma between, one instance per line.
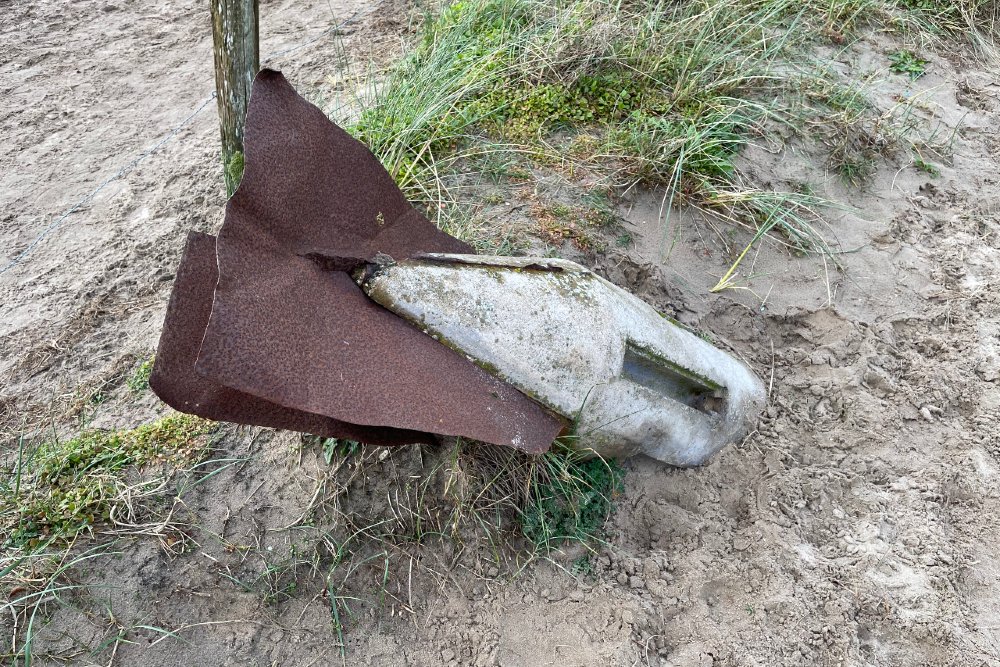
x=858, y=525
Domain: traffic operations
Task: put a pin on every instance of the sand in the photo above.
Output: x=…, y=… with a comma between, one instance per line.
x=857, y=526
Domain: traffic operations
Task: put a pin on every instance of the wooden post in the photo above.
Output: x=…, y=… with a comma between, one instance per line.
x=237, y=59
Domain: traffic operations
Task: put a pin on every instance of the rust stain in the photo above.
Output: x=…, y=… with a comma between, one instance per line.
x=265, y=325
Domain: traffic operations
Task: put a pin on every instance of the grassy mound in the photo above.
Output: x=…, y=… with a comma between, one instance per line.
x=654, y=93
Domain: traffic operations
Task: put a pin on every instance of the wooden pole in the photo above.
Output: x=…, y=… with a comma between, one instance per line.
x=235, y=25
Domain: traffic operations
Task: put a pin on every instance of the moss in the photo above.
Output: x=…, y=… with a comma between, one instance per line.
x=65, y=487
x=234, y=172
x=526, y=112
x=558, y=223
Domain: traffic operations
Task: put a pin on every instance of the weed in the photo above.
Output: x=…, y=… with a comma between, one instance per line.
x=854, y=165
x=336, y=448
x=98, y=397
x=561, y=210
x=907, y=62
x=925, y=166
x=138, y=381
x=584, y=565
x=559, y=222
x=570, y=498
x=600, y=205
x=333, y=449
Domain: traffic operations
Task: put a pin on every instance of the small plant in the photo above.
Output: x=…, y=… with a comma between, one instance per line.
x=332, y=448
x=277, y=580
x=559, y=223
x=98, y=397
x=925, y=166
x=138, y=381
x=335, y=448
x=562, y=210
x=600, y=209
x=856, y=168
x=570, y=498
x=907, y=62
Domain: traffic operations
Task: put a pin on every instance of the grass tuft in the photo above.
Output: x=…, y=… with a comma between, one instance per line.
x=462, y=505
x=570, y=498
x=233, y=172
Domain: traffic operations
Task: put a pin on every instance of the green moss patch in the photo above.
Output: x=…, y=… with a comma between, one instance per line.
x=64, y=487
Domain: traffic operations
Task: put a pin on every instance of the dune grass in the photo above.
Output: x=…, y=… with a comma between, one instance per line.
x=659, y=94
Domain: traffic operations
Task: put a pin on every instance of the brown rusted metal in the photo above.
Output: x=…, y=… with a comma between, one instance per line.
x=287, y=323
x=175, y=381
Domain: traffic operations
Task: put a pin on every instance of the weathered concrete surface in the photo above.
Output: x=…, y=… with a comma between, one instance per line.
x=631, y=380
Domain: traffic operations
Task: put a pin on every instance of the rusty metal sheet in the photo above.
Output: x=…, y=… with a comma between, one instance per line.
x=287, y=323
x=175, y=381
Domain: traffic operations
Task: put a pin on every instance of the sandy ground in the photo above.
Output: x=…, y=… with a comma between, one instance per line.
x=858, y=525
